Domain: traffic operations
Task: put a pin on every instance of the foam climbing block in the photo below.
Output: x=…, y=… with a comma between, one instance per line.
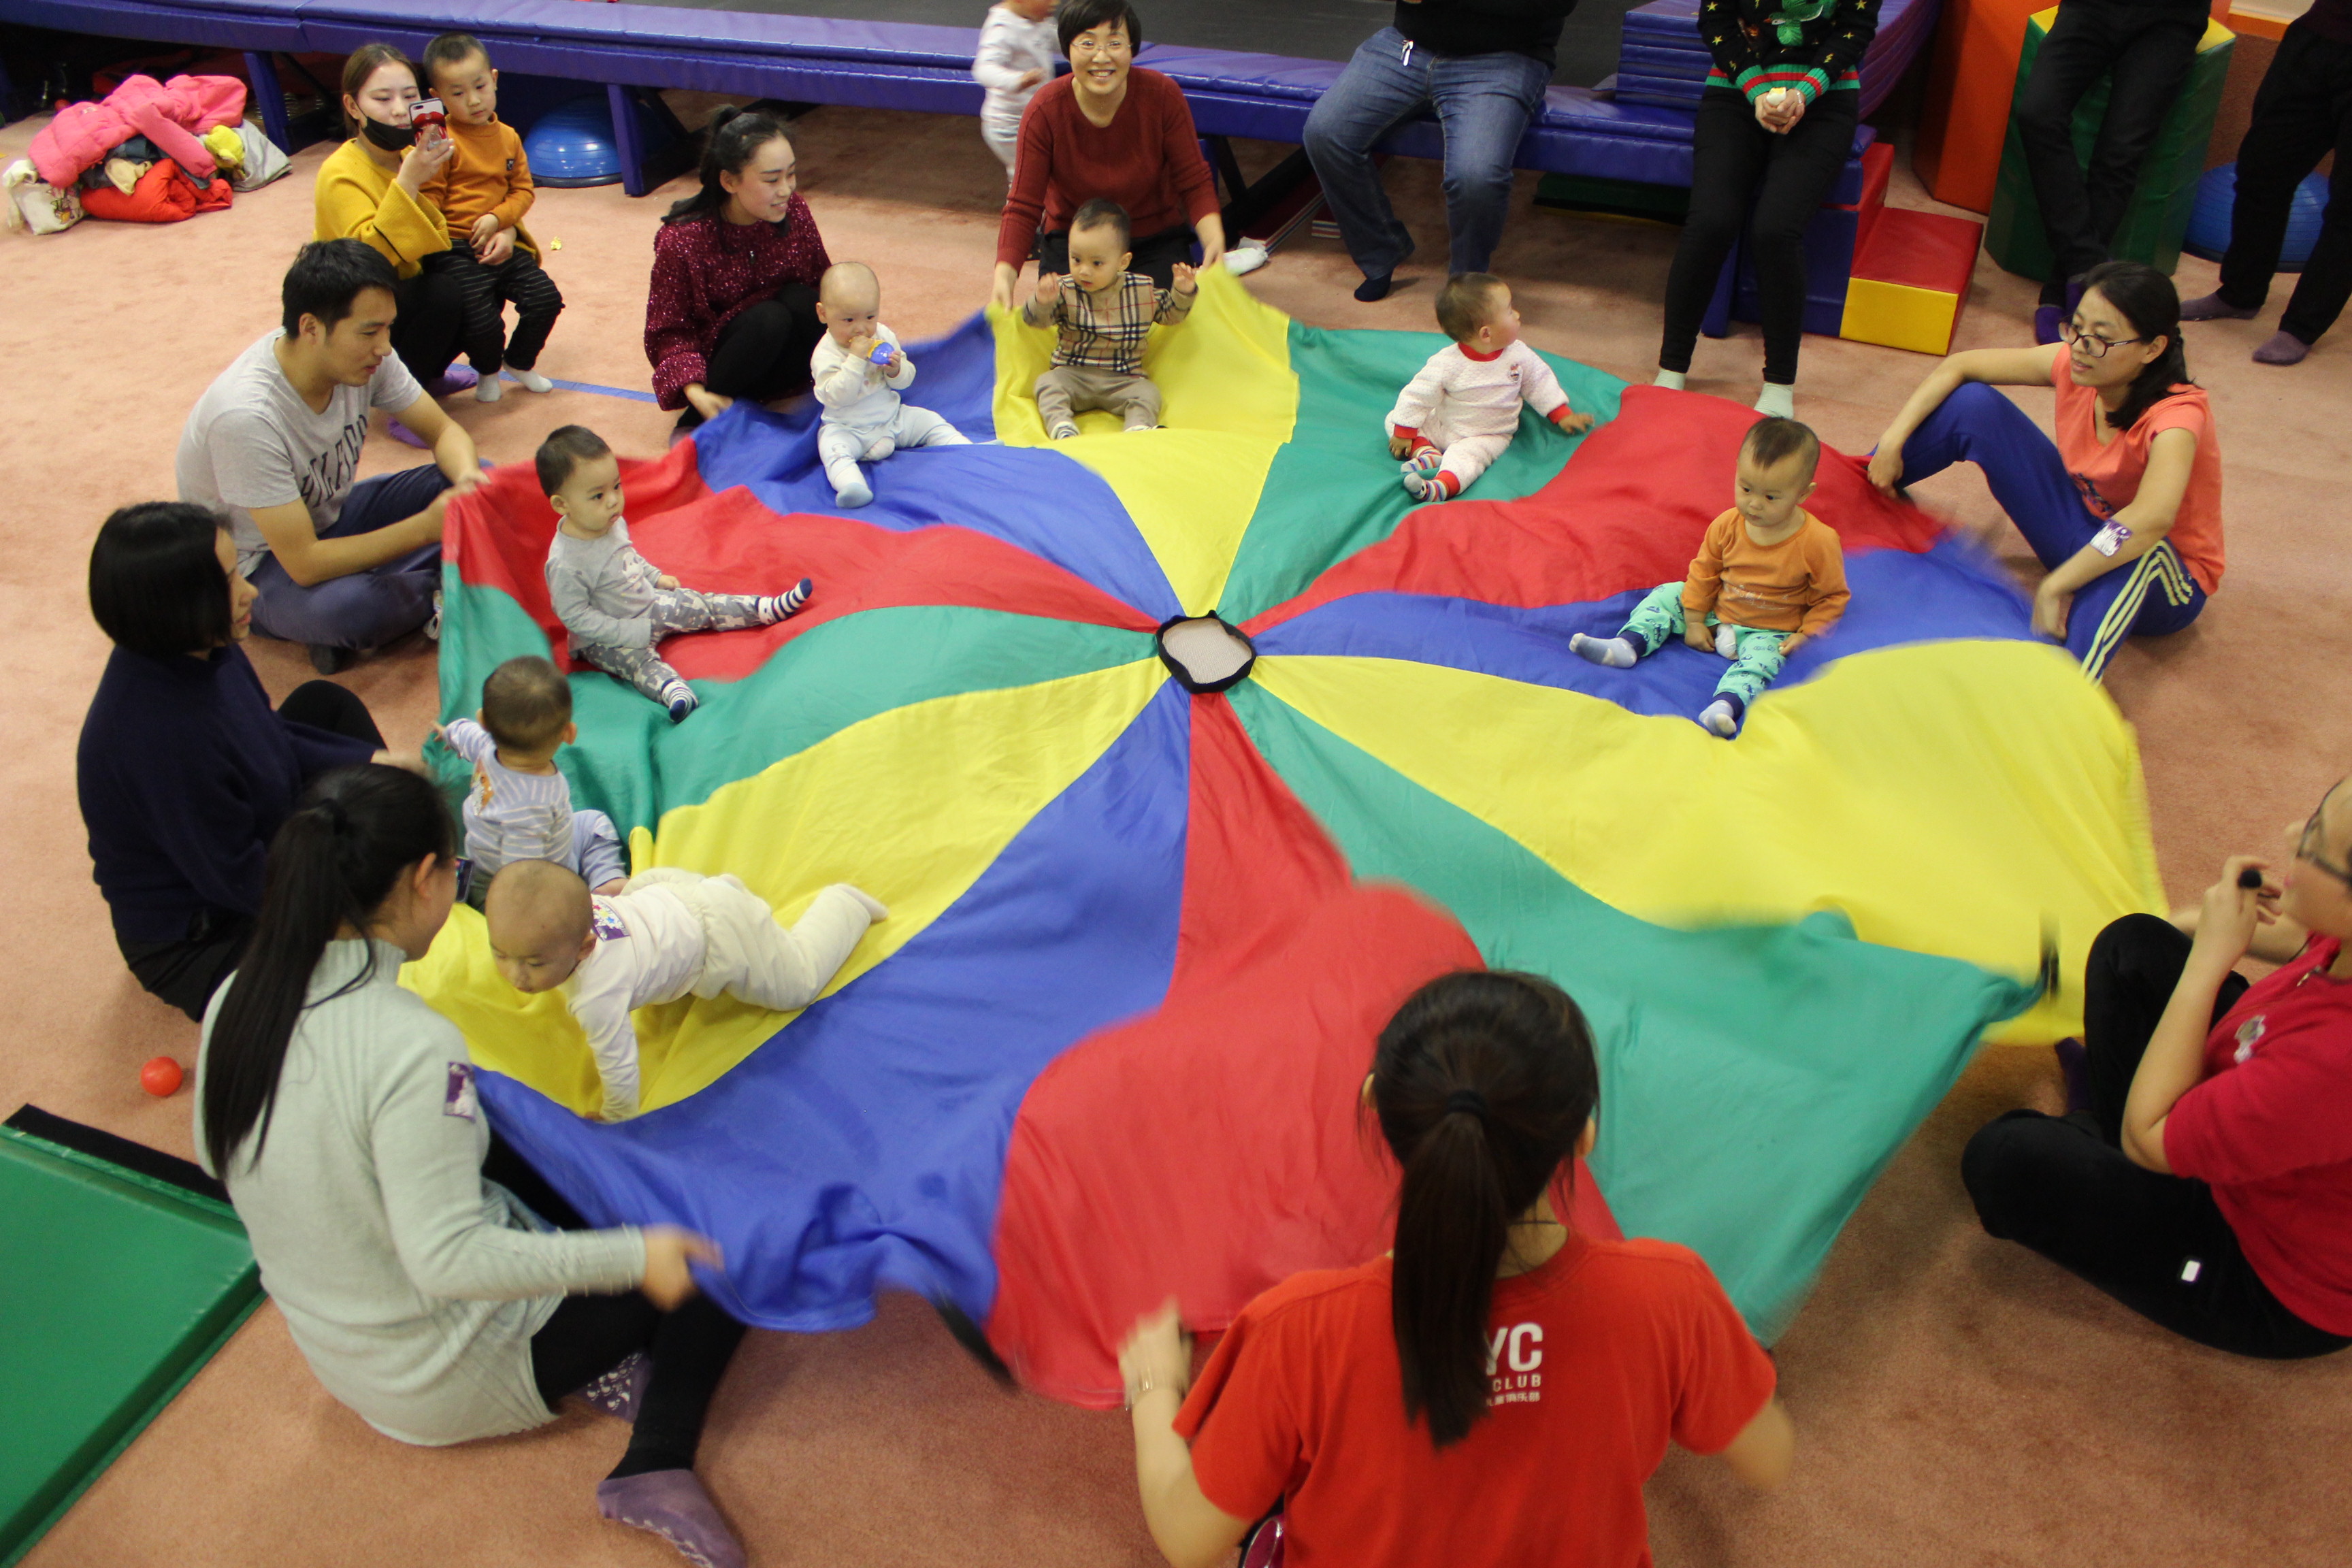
x=1140, y=941
x=2157, y=216
x=115, y=1288
x=1911, y=276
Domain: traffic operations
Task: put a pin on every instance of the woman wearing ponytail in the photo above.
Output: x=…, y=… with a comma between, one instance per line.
x=2125, y=507
x=1496, y=1390
x=341, y=1111
x=370, y=189
x=731, y=310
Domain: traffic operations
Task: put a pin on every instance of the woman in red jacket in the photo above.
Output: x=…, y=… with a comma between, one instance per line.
x=2207, y=1184
x=1108, y=130
x=1494, y=1391
x=732, y=309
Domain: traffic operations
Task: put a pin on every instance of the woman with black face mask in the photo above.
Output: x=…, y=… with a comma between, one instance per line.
x=369, y=190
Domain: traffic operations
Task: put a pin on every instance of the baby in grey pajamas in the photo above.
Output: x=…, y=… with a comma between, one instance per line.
x=617, y=606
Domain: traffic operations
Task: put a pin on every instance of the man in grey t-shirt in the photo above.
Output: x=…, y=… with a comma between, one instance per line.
x=274, y=443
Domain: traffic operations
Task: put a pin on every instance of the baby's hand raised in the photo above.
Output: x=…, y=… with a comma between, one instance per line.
x=665, y=580
x=1187, y=280
x=1049, y=289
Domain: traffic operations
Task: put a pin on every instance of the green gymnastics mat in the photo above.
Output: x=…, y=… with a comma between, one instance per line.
x=121, y=1274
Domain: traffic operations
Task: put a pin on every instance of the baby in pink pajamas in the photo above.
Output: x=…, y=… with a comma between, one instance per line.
x=1456, y=418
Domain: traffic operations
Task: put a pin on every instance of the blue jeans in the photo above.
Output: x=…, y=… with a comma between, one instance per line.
x=2150, y=596
x=366, y=609
x=1483, y=104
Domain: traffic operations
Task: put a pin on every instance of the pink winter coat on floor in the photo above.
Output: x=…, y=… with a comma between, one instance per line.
x=172, y=115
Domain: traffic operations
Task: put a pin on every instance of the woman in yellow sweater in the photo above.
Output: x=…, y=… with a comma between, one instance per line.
x=368, y=190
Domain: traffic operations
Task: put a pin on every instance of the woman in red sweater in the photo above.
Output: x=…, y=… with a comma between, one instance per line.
x=2206, y=1182
x=731, y=310
x=1496, y=1390
x=1111, y=130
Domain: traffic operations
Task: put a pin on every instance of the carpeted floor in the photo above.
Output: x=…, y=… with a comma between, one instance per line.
x=1959, y=1401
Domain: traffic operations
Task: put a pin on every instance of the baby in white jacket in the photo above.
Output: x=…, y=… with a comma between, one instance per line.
x=859, y=369
x=666, y=934
x=1457, y=416
x=1017, y=46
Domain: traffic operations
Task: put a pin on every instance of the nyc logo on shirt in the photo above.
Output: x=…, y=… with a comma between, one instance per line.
x=1515, y=1365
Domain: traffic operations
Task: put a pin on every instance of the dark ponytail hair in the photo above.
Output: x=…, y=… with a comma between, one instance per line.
x=2152, y=305
x=729, y=140
x=1483, y=1083
x=333, y=864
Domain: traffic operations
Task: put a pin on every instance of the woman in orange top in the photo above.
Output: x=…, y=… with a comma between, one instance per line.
x=2125, y=507
x=1493, y=1392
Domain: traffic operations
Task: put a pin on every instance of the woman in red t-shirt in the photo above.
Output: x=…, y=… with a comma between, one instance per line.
x=2125, y=507
x=1108, y=130
x=1493, y=1392
x=2205, y=1180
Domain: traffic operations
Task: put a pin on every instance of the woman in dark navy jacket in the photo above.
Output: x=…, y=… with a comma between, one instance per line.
x=185, y=770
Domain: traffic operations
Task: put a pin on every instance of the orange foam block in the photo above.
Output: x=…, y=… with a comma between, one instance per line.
x=1911, y=274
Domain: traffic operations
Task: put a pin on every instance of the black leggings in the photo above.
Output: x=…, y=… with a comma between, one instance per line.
x=427, y=333
x=2148, y=49
x=2302, y=112
x=1156, y=255
x=2063, y=1186
x=187, y=972
x=686, y=1351
x=1734, y=162
x=485, y=292
x=764, y=351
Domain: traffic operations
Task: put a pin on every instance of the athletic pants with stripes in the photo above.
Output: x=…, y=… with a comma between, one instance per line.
x=488, y=290
x=2150, y=596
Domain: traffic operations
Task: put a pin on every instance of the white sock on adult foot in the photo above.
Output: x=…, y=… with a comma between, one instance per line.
x=1719, y=717
x=1617, y=653
x=1778, y=401
x=1672, y=380
x=486, y=390
x=875, y=908
x=530, y=380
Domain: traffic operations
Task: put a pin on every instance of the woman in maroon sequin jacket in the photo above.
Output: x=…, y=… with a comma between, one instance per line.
x=732, y=309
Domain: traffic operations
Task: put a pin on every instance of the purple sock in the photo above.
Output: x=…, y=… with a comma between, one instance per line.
x=2074, y=1065
x=2284, y=348
x=2213, y=307
x=672, y=1505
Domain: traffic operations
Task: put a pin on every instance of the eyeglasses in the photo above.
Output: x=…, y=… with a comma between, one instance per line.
x=1115, y=45
x=2090, y=342
x=2306, y=848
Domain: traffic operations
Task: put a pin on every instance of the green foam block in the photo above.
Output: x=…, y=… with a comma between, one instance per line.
x=115, y=1288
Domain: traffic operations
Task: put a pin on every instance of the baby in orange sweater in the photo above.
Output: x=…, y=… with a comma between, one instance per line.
x=1768, y=577
x=483, y=193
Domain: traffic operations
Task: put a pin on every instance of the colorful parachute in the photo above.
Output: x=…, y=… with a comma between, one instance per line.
x=1108, y=1045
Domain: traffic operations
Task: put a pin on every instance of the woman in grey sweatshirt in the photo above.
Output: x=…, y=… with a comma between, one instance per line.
x=339, y=1110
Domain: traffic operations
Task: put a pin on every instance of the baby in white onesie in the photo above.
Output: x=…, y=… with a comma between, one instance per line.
x=859, y=369
x=1017, y=48
x=666, y=934
x=1456, y=418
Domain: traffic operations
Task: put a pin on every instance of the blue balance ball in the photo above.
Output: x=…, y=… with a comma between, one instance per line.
x=2209, y=223
x=574, y=145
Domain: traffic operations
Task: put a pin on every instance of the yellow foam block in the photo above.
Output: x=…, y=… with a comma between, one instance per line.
x=1899, y=316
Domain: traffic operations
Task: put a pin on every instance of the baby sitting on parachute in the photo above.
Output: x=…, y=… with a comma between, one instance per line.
x=666, y=934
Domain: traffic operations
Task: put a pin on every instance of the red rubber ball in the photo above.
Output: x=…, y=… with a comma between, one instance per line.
x=161, y=1077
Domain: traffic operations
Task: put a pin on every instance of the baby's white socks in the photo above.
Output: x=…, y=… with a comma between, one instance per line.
x=1617, y=653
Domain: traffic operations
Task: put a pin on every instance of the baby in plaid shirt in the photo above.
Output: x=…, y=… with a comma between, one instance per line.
x=1104, y=321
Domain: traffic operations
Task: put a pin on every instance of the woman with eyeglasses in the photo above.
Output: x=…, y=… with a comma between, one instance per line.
x=1110, y=130
x=2203, y=1175
x=2125, y=507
